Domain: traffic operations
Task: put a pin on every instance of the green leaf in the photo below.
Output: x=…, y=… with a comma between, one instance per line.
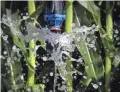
x=93, y=9
x=82, y=47
x=92, y=60
x=15, y=29
x=38, y=88
x=18, y=43
x=86, y=82
x=35, y=88
x=80, y=14
x=97, y=63
x=38, y=10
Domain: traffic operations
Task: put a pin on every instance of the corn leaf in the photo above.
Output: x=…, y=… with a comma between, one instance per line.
x=93, y=71
x=92, y=8
x=38, y=10
x=91, y=58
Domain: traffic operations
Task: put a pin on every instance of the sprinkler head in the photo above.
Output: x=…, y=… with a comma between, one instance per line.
x=54, y=21
x=54, y=15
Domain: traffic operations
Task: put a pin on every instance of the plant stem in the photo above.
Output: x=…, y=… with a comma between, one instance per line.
x=31, y=73
x=69, y=16
x=109, y=22
x=109, y=28
x=12, y=75
x=107, y=73
x=68, y=28
x=69, y=75
x=31, y=60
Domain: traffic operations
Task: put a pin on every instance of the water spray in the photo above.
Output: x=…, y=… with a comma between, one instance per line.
x=54, y=17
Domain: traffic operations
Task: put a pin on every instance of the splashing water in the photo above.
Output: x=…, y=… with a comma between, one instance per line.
x=62, y=43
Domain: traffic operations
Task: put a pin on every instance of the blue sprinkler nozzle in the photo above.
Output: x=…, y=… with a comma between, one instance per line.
x=54, y=21
x=55, y=15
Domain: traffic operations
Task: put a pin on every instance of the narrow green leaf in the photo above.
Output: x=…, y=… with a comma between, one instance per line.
x=97, y=63
x=37, y=12
x=86, y=82
x=92, y=8
x=87, y=59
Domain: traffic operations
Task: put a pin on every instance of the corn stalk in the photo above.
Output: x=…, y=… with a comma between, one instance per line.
x=68, y=28
x=32, y=59
x=31, y=72
x=109, y=28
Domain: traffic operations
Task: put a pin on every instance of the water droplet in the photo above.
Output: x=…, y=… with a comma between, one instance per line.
x=5, y=52
x=51, y=73
x=95, y=86
x=85, y=77
x=116, y=31
x=44, y=58
x=25, y=17
x=5, y=37
x=50, y=91
x=100, y=83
